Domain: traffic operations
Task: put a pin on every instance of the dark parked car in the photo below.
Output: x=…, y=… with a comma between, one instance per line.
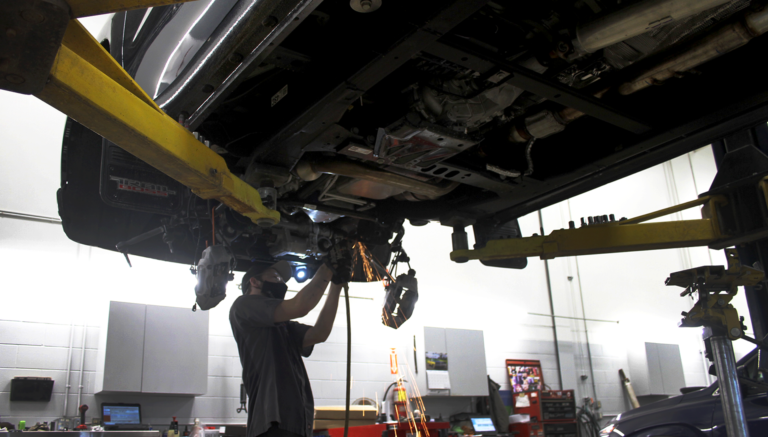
x=698, y=413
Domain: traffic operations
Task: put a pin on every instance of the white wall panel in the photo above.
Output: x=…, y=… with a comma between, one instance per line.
x=124, y=348
x=175, y=351
x=219, y=366
x=8, y=356
x=49, y=358
x=22, y=333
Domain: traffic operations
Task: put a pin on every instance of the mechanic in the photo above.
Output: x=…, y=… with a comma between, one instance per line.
x=271, y=345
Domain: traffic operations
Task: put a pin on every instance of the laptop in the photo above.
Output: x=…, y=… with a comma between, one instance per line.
x=122, y=417
x=483, y=425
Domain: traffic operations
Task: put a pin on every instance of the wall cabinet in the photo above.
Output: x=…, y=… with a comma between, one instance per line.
x=656, y=369
x=467, y=369
x=153, y=349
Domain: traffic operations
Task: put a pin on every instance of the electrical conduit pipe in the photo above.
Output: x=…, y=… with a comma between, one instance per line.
x=69, y=367
x=82, y=368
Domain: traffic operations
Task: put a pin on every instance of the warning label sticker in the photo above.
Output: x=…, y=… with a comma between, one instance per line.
x=360, y=150
x=141, y=187
x=279, y=95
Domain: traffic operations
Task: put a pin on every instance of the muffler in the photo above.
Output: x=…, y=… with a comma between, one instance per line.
x=724, y=40
x=635, y=20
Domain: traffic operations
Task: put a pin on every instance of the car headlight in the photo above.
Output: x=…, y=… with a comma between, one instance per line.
x=611, y=430
x=607, y=430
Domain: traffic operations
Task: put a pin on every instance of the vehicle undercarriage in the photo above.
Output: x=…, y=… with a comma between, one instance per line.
x=350, y=120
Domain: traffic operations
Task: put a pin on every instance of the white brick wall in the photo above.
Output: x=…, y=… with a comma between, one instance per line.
x=8, y=355
x=36, y=349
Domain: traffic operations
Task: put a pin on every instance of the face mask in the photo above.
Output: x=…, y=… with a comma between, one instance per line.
x=275, y=290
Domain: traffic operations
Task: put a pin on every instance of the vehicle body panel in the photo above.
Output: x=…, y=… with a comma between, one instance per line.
x=696, y=414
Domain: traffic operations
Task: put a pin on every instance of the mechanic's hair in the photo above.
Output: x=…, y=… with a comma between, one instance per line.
x=246, y=284
x=253, y=272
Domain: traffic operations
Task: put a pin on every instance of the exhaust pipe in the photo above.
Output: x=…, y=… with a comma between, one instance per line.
x=725, y=40
x=309, y=171
x=603, y=32
x=635, y=20
x=546, y=123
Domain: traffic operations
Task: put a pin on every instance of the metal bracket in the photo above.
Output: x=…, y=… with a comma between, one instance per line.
x=32, y=31
x=716, y=287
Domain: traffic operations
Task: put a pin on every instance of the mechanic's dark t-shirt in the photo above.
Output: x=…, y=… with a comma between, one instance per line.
x=273, y=371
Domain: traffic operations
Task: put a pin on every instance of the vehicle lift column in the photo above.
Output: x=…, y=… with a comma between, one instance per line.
x=734, y=214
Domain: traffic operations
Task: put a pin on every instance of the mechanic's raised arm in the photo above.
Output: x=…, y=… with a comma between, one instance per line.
x=306, y=299
x=322, y=329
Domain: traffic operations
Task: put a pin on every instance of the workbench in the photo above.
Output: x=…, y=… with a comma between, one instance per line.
x=428, y=429
x=153, y=433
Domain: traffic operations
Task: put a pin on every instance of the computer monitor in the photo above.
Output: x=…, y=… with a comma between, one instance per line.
x=483, y=425
x=120, y=414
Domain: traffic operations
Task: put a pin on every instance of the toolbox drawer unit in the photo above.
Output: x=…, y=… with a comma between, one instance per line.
x=558, y=405
x=560, y=429
x=558, y=413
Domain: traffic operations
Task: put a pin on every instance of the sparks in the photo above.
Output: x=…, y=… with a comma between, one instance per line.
x=417, y=399
x=360, y=253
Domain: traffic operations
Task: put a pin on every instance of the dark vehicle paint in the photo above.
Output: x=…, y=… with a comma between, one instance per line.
x=695, y=414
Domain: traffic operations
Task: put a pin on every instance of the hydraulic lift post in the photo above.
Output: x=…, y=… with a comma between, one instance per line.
x=750, y=141
x=730, y=392
x=756, y=141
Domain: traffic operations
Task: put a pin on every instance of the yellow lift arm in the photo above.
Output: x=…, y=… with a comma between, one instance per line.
x=87, y=84
x=616, y=236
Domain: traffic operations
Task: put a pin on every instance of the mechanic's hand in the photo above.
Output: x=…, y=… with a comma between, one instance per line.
x=343, y=273
x=339, y=260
